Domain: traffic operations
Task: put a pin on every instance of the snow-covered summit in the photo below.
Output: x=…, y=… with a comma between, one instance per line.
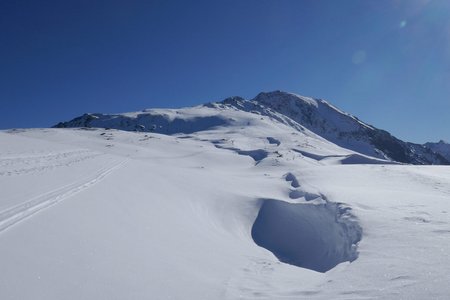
x=339, y=127
x=310, y=111
x=297, y=112
x=285, y=99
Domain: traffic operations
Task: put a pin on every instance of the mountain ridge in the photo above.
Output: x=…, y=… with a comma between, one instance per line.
x=298, y=112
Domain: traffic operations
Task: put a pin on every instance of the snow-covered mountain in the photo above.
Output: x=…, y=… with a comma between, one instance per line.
x=297, y=112
x=236, y=200
x=441, y=147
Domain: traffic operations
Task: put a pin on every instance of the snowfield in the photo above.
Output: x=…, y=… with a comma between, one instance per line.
x=245, y=209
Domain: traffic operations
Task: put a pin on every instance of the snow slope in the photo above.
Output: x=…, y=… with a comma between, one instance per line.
x=252, y=207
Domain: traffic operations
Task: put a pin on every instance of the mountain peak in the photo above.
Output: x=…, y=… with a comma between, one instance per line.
x=278, y=98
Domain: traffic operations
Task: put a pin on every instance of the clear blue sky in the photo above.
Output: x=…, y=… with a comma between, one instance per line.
x=385, y=61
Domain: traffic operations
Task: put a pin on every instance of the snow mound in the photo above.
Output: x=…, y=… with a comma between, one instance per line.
x=311, y=236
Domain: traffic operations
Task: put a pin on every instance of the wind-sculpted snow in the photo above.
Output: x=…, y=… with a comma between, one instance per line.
x=312, y=236
x=257, y=155
x=349, y=159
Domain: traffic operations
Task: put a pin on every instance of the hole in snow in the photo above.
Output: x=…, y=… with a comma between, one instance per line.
x=316, y=237
x=257, y=155
x=272, y=140
x=291, y=178
x=295, y=194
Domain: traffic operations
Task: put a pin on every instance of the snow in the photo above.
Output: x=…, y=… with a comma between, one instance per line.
x=247, y=208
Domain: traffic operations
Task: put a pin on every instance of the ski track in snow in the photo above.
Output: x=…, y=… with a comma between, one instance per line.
x=31, y=163
x=17, y=213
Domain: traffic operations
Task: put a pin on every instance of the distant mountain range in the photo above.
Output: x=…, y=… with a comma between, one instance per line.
x=297, y=112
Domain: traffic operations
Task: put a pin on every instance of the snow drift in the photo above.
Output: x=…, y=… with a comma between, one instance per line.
x=316, y=237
